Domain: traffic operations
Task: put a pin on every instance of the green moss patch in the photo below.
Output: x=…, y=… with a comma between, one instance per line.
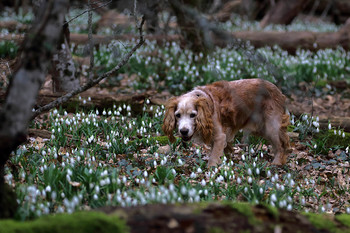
x=246, y=210
x=330, y=139
x=344, y=219
x=272, y=210
x=321, y=221
x=80, y=222
x=162, y=140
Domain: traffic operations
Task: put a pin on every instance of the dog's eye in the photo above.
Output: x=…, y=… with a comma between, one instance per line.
x=178, y=115
x=192, y=115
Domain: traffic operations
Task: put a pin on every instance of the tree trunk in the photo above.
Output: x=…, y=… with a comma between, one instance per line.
x=16, y=112
x=63, y=68
x=283, y=12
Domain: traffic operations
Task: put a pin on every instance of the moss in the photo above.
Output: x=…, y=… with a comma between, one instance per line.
x=246, y=210
x=272, y=210
x=330, y=139
x=321, y=221
x=79, y=222
x=200, y=206
x=344, y=219
x=162, y=140
x=216, y=230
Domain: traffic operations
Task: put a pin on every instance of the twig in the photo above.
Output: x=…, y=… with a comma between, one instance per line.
x=8, y=67
x=88, y=10
x=93, y=82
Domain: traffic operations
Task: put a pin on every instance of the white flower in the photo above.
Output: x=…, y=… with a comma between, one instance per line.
x=257, y=170
x=268, y=173
x=239, y=180
x=261, y=190
x=249, y=171
x=203, y=183
x=199, y=170
x=250, y=180
x=273, y=197
x=48, y=189
x=193, y=175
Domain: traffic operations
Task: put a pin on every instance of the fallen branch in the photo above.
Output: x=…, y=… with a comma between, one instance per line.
x=93, y=82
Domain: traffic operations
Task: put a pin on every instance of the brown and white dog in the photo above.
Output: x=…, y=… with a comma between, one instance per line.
x=214, y=113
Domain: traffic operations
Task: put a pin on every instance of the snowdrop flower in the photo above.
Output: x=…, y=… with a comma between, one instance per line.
x=193, y=175
x=239, y=181
x=203, y=183
x=249, y=171
x=243, y=157
x=250, y=180
x=268, y=173
x=180, y=162
x=199, y=170
x=183, y=190
x=257, y=170
x=261, y=190
x=273, y=197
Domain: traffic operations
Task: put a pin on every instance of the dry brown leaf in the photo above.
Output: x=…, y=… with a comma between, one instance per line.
x=74, y=183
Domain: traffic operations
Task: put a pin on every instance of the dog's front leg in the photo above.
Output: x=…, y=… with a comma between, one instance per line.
x=219, y=143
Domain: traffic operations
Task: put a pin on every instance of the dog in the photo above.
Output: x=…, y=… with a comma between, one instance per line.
x=214, y=113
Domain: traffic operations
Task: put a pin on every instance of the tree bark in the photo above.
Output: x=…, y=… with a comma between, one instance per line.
x=63, y=68
x=16, y=112
x=283, y=12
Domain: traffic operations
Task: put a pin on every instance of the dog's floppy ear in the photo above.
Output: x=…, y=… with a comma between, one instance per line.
x=204, y=122
x=169, y=122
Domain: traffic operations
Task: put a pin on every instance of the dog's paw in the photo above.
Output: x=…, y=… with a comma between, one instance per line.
x=278, y=162
x=213, y=162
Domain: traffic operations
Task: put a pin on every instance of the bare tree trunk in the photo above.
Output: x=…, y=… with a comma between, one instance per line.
x=16, y=112
x=63, y=68
x=283, y=12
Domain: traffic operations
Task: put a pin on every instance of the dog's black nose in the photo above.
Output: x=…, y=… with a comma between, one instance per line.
x=184, y=132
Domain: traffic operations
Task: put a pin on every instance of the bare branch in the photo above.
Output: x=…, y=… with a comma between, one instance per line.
x=93, y=82
x=88, y=10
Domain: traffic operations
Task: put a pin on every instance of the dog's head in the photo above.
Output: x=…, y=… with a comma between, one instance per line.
x=189, y=115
